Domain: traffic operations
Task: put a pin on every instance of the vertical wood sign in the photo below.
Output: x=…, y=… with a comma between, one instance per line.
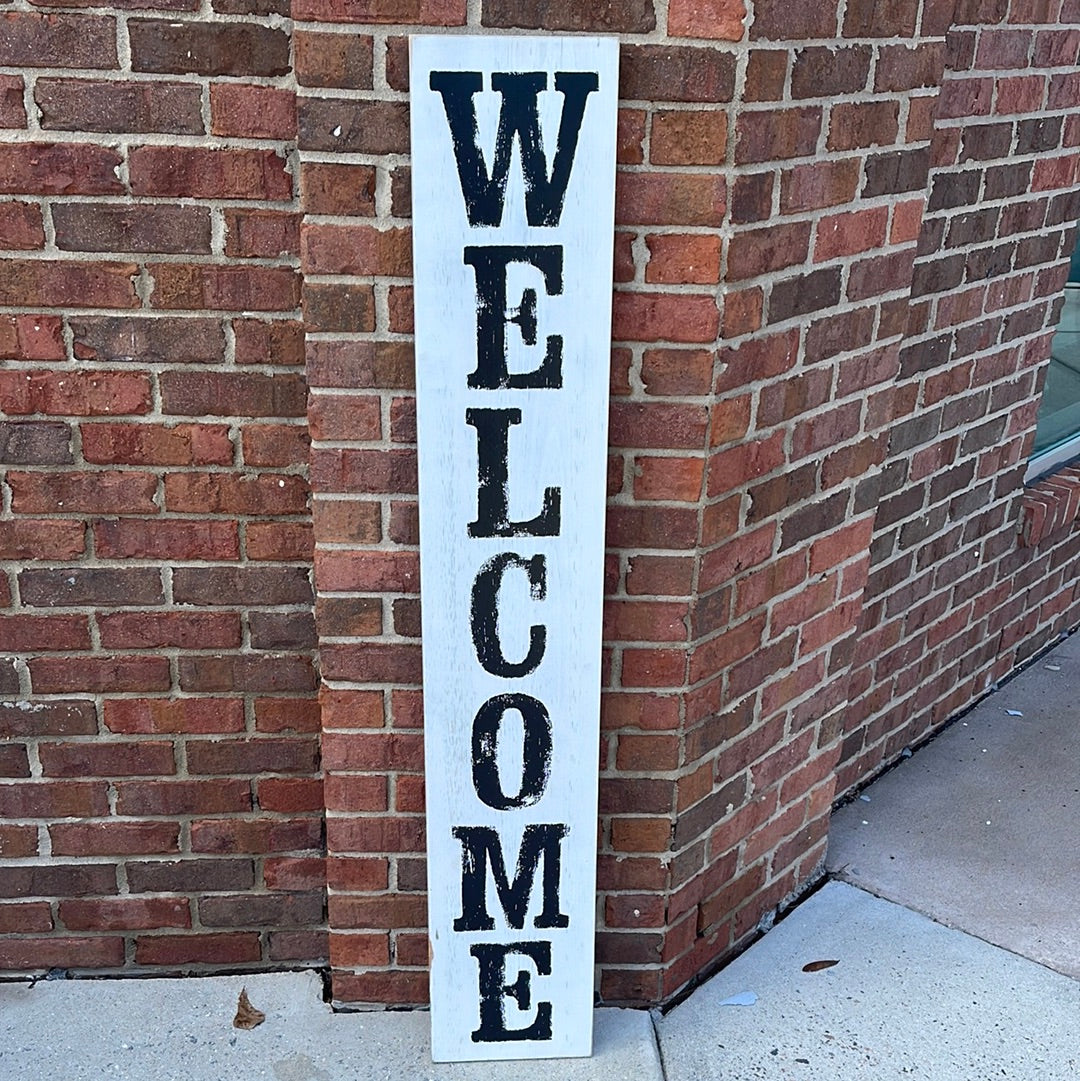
x=513, y=180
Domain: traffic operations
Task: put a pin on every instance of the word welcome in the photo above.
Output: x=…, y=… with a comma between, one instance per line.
x=513, y=162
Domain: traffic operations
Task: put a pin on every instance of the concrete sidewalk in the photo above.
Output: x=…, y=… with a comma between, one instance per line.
x=978, y=830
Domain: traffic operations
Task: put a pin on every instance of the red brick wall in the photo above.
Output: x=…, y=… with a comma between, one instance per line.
x=161, y=792
x=955, y=599
x=822, y=400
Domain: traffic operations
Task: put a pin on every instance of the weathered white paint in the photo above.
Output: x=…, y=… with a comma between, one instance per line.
x=560, y=443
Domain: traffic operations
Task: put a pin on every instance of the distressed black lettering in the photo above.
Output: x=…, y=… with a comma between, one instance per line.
x=492, y=498
x=484, y=615
x=490, y=265
x=536, y=751
x=481, y=845
x=485, y=194
x=494, y=991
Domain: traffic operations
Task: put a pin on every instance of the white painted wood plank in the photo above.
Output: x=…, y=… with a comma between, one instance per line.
x=548, y=604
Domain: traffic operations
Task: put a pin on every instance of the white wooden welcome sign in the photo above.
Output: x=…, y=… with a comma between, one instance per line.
x=513, y=171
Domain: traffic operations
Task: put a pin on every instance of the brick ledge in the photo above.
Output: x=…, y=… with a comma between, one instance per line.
x=1050, y=505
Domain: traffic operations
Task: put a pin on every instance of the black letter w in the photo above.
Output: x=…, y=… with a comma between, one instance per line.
x=484, y=195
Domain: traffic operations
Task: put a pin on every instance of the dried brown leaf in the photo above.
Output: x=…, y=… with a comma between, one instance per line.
x=818, y=966
x=246, y=1014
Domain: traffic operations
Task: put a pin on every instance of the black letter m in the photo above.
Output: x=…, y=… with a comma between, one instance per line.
x=481, y=843
x=484, y=194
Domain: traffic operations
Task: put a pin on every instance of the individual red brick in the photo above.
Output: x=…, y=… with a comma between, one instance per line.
x=252, y=112
x=65, y=675
x=14, y=761
x=224, y=288
x=30, y=442
x=74, y=393
x=178, y=950
x=412, y=12
x=630, y=137
x=263, y=674
x=291, y=795
x=149, y=444
x=108, y=228
x=278, y=342
x=676, y=372
x=56, y=284
x=34, y=633
x=629, y=16
x=25, y=918
x=280, y=541
x=645, y=621
x=651, y=527
x=59, y=169
x=100, y=105
x=339, y=60
x=353, y=126
x=689, y=137
x=640, y=834
x=340, y=571
x=18, y=842
x=680, y=73
x=855, y=125
x=350, y=417
x=236, y=48
x=55, y=718
x=965, y=98
x=276, y=445
x=287, y=714
x=356, y=249
x=1021, y=94
x=255, y=835
x=151, y=630
x=651, y=317
x=201, y=173
x=47, y=41
x=168, y=539
x=142, y=340
x=331, y=188
x=401, y=834
x=822, y=184
x=170, y=798
x=372, y=663
x=125, y=914
x=718, y=19
x=31, y=337
x=266, y=234
x=295, y=873
x=21, y=953
x=12, y=109
x=683, y=259
x=179, y=715
x=743, y=312
x=777, y=133
x=114, y=838
x=669, y=199
x=760, y=251
x=658, y=424
x=202, y=393
x=51, y=799
x=261, y=755
x=225, y=493
x=241, y=585
x=20, y=227
x=348, y=308
x=849, y=233
x=33, y=538
x=83, y=493
x=1052, y=173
